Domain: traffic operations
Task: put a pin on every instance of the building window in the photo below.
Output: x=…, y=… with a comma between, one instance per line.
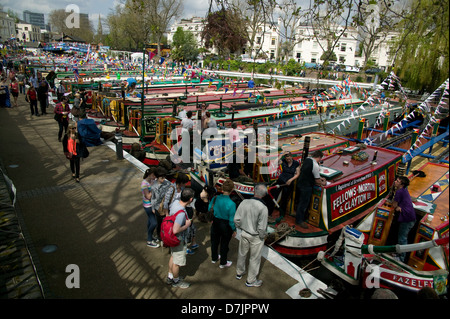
x=341, y=59
x=343, y=47
x=258, y=40
x=273, y=41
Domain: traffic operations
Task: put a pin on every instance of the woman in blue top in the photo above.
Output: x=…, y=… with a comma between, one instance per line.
x=407, y=215
x=222, y=228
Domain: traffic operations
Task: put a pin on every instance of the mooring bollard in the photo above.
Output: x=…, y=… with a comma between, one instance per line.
x=119, y=147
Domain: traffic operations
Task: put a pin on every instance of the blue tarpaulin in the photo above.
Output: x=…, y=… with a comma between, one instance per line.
x=89, y=132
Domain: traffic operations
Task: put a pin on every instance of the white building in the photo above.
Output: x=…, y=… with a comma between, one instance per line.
x=7, y=26
x=382, y=54
x=310, y=49
x=266, y=39
x=194, y=25
x=28, y=32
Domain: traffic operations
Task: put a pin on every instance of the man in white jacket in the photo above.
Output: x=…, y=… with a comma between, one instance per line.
x=251, y=219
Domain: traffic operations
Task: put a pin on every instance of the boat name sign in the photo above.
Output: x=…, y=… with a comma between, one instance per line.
x=348, y=199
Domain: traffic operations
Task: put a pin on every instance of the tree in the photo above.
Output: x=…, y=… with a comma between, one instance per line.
x=163, y=13
x=375, y=20
x=222, y=30
x=330, y=19
x=422, y=55
x=184, y=46
x=253, y=19
x=13, y=14
x=58, y=18
x=134, y=23
x=290, y=15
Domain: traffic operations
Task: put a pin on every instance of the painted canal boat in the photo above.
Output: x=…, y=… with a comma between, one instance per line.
x=370, y=249
x=357, y=177
x=371, y=266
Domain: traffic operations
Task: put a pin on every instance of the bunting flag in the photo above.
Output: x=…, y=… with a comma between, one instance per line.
x=425, y=106
x=151, y=55
x=86, y=59
x=76, y=74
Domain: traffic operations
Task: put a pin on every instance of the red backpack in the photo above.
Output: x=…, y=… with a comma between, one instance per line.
x=168, y=238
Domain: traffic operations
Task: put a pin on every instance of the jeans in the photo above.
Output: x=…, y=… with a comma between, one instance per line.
x=403, y=230
x=221, y=234
x=151, y=223
x=304, y=194
x=33, y=107
x=159, y=220
x=62, y=125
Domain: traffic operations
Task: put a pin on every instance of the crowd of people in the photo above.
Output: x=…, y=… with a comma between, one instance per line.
x=19, y=82
x=162, y=198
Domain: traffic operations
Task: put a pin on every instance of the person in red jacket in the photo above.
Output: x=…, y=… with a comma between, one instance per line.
x=32, y=99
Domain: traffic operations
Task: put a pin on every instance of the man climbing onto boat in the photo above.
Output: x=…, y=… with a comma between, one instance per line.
x=290, y=171
x=309, y=176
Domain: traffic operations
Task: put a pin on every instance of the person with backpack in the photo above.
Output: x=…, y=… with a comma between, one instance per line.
x=180, y=225
x=173, y=194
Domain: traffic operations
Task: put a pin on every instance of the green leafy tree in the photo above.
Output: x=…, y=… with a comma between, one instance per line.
x=422, y=56
x=184, y=46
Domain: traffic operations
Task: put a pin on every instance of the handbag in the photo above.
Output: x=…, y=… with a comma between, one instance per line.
x=161, y=205
x=68, y=155
x=210, y=213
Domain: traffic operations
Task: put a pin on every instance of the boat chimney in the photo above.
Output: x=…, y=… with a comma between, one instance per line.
x=306, y=148
x=374, y=159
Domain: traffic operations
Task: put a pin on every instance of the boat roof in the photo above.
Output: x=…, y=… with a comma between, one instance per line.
x=421, y=189
x=341, y=168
